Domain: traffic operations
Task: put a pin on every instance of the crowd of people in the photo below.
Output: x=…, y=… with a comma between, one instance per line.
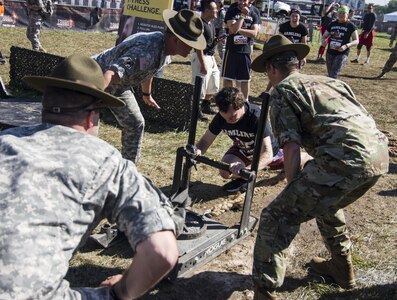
x=58, y=180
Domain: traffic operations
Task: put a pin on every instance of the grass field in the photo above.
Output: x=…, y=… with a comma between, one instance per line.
x=372, y=220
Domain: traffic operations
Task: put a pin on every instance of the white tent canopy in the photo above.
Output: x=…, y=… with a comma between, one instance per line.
x=391, y=17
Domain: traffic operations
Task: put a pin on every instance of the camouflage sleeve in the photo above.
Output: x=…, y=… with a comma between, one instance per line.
x=285, y=123
x=135, y=204
x=124, y=66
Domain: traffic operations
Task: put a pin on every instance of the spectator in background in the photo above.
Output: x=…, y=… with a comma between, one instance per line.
x=343, y=35
x=220, y=30
x=58, y=181
x=367, y=35
x=2, y=57
x=203, y=61
x=242, y=21
x=136, y=60
x=327, y=16
x=294, y=30
x=38, y=11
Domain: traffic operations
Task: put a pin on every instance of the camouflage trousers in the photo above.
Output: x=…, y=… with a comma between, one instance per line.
x=101, y=293
x=133, y=123
x=391, y=61
x=33, y=31
x=315, y=193
x=335, y=64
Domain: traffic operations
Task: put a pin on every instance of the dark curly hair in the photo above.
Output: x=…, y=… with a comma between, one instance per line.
x=229, y=96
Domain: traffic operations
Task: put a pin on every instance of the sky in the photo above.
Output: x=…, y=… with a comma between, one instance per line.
x=378, y=2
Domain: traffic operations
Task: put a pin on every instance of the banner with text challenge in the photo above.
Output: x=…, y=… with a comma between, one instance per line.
x=142, y=16
x=146, y=9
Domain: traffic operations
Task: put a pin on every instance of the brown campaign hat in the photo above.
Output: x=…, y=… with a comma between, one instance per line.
x=278, y=44
x=187, y=26
x=77, y=73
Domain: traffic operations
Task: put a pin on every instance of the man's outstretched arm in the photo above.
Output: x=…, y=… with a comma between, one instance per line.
x=154, y=258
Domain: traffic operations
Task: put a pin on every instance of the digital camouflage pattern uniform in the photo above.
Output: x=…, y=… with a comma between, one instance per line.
x=134, y=60
x=36, y=10
x=56, y=184
x=323, y=116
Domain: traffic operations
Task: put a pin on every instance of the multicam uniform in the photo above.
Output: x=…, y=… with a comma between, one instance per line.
x=323, y=116
x=36, y=9
x=391, y=61
x=56, y=184
x=134, y=60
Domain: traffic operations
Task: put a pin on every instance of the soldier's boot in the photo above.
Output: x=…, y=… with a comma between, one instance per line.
x=339, y=267
x=41, y=49
x=264, y=295
x=381, y=75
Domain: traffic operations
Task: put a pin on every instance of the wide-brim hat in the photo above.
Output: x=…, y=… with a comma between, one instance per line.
x=187, y=26
x=278, y=44
x=77, y=73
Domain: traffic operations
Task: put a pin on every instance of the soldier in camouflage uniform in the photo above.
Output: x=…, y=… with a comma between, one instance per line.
x=36, y=10
x=321, y=115
x=393, y=55
x=135, y=61
x=58, y=181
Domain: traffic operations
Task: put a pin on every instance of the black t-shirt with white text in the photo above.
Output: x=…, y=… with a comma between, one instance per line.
x=296, y=34
x=340, y=34
x=243, y=132
x=238, y=43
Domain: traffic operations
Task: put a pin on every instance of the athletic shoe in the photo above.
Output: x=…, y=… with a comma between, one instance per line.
x=354, y=61
x=206, y=108
x=236, y=185
x=201, y=116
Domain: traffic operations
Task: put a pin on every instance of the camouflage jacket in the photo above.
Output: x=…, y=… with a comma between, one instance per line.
x=134, y=60
x=56, y=184
x=323, y=116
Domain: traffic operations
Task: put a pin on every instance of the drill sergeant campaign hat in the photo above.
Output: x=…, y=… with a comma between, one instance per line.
x=278, y=44
x=187, y=26
x=77, y=73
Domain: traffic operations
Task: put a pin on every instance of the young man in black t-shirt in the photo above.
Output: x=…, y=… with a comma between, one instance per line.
x=242, y=22
x=239, y=120
x=367, y=36
x=343, y=35
x=203, y=61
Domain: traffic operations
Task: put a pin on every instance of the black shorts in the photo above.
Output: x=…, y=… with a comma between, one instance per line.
x=236, y=66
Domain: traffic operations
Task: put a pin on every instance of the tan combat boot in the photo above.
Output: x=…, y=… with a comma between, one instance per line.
x=339, y=267
x=41, y=49
x=264, y=295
